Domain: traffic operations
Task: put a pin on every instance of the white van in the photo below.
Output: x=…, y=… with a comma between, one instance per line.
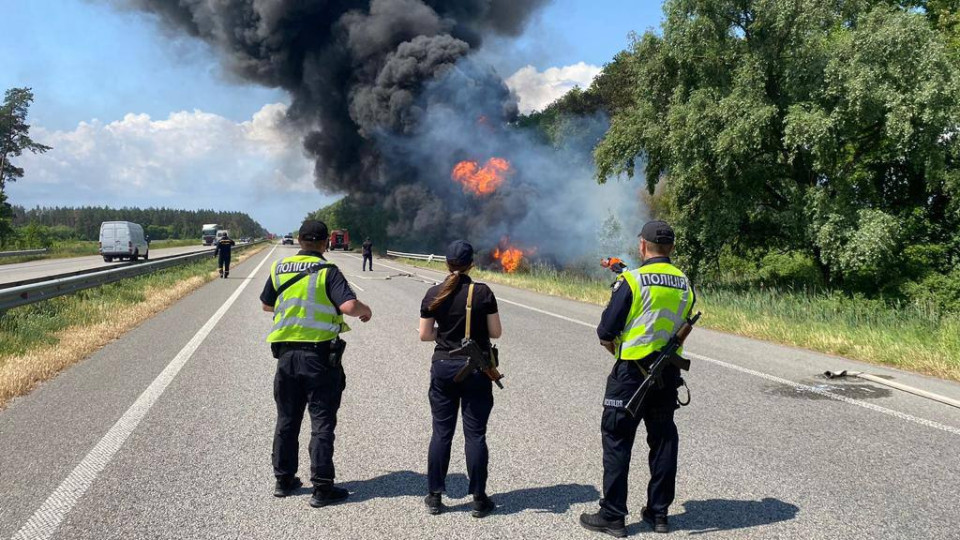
x=123, y=240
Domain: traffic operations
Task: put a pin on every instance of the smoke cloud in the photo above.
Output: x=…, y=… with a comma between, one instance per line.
x=389, y=98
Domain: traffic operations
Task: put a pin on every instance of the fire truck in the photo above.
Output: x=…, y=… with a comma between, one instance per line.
x=339, y=239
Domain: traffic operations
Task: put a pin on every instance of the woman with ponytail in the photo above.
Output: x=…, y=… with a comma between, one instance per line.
x=443, y=319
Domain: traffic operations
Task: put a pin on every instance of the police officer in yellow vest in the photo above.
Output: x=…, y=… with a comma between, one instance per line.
x=308, y=297
x=647, y=307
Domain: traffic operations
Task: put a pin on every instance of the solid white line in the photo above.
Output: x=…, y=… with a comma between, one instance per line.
x=355, y=286
x=568, y=319
x=45, y=521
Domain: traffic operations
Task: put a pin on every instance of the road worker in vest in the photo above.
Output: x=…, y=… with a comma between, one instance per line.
x=647, y=306
x=308, y=297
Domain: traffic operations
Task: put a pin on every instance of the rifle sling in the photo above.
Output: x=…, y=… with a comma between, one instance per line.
x=309, y=270
x=466, y=334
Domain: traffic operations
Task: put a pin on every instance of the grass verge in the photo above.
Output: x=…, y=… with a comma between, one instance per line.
x=874, y=331
x=37, y=341
x=86, y=248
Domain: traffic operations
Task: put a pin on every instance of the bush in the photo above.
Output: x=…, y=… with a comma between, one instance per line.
x=793, y=268
x=939, y=292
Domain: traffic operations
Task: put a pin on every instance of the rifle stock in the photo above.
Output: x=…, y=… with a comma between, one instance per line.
x=476, y=360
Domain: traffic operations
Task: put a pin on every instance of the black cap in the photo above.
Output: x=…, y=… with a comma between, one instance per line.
x=313, y=231
x=460, y=253
x=658, y=232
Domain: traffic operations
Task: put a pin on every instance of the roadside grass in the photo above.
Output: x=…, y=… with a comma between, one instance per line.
x=37, y=341
x=86, y=248
x=903, y=336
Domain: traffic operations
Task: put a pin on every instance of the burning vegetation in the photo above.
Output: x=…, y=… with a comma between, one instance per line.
x=510, y=256
x=481, y=180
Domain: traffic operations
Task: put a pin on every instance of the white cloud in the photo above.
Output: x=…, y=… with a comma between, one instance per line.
x=188, y=160
x=538, y=89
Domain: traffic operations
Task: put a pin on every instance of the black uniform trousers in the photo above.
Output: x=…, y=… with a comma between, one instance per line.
x=619, y=430
x=473, y=398
x=367, y=257
x=306, y=380
x=223, y=261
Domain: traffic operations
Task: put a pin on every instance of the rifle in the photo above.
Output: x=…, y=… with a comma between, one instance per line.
x=476, y=360
x=667, y=356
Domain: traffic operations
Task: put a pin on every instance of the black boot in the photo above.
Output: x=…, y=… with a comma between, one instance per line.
x=221, y=271
x=434, y=503
x=596, y=522
x=482, y=506
x=286, y=486
x=659, y=523
x=327, y=494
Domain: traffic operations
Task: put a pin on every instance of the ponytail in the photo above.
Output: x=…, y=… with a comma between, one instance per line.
x=449, y=285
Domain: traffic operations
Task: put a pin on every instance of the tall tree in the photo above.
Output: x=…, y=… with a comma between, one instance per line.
x=14, y=140
x=811, y=125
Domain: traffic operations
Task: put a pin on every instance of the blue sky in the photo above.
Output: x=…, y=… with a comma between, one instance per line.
x=96, y=71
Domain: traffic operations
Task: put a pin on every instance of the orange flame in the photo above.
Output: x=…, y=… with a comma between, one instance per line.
x=510, y=256
x=481, y=180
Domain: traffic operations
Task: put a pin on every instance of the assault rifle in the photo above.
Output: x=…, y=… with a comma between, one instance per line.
x=477, y=361
x=667, y=356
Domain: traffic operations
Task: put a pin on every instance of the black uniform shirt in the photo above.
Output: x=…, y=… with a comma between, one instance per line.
x=614, y=317
x=223, y=247
x=367, y=248
x=451, y=316
x=338, y=290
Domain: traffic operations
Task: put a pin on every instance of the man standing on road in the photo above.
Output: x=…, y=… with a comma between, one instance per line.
x=647, y=307
x=309, y=298
x=224, y=246
x=367, y=254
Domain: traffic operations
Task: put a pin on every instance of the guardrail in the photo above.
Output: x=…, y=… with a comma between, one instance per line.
x=417, y=256
x=58, y=286
x=23, y=253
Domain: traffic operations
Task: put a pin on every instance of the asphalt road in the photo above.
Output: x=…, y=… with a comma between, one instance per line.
x=48, y=267
x=166, y=433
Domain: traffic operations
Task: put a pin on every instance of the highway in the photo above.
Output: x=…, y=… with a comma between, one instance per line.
x=166, y=433
x=47, y=267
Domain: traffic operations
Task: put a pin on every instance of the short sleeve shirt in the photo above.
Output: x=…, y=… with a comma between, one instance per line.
x=338, y=289
x=451, y=316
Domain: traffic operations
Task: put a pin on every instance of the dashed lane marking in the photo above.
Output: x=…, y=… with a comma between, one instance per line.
x=47, y=519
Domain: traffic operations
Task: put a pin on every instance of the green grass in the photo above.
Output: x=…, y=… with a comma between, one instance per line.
x=85, y=248
x=905, y=336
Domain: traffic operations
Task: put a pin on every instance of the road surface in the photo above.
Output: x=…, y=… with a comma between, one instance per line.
x=166, y=433
x=47, y=267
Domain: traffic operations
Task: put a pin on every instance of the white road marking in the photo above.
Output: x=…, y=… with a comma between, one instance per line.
x=760, y=374
x=355, y=286
x=47, y=519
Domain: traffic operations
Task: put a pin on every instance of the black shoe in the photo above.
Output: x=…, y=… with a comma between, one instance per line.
x=286, y=486
x=434, y=503
x=221, y=272
x=596, y=522
x=660, y=524
x=322, y=496
x=226, y=275
x=482, y=506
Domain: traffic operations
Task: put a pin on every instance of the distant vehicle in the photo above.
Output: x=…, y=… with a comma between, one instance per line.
x=246, y=240
x=287, y=240
x=209, y=234
x=221, y=233
x=123, y=240
x=339, y=239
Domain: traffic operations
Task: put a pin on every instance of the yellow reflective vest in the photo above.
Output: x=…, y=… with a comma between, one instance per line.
x=303, y=312
x=662, y=299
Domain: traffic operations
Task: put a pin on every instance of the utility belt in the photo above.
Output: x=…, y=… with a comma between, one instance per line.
x=642, y=366
x=493, y=354
x=332, y=351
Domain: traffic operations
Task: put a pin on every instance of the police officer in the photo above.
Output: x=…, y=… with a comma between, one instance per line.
x=443, y=319
x=367, y=249
x=309, y=298
x=223, y=248
x=646, y=308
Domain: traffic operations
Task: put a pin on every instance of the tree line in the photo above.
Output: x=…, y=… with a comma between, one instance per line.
x=808, y=143
x=83, y=223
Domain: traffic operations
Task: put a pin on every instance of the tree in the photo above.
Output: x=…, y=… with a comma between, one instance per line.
x=14, y=140
x=775, y=122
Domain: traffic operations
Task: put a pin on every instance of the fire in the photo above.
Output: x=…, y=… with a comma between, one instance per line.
x=481, y=180
x=510, y=256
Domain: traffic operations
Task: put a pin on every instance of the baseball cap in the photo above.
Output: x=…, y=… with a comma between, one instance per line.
x=460, y=253
x=312, y=230
x=658, y=232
